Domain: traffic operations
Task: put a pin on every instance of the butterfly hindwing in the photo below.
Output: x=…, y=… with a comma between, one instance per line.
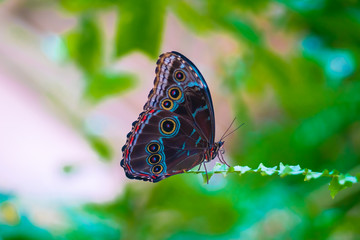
x=177, y=124
x=161, y=145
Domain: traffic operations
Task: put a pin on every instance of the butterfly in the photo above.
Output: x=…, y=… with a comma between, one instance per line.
x=176, y=130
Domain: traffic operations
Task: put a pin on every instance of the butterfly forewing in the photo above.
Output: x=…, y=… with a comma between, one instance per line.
x=195, y=102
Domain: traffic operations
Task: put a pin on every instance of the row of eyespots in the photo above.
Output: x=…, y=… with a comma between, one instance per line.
x=155, y=157
x=174, y=93
x=169, y=127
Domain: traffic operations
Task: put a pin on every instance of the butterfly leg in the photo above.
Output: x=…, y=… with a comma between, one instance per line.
x=207, y=176
x=222, y=160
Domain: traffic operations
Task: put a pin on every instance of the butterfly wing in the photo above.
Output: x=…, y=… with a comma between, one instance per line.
x=177, y=124
x=161, y=145
x=197, y=103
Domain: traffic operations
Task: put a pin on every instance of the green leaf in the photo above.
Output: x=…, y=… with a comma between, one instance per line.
x=222, y=168
x=284, y=170
x=241, y=169
x=265, y=170
x=207, y=176
x=335, y=187
x=312, y=175
x=347, y=179
x=334, y=172
x=140, y=27
x=84, y=44
x=107, y=83
x=341, y=182
x=296, y=170
x=325, y=172
x=101, y=147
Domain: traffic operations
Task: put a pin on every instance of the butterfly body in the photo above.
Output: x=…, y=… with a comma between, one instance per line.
x=176, y=130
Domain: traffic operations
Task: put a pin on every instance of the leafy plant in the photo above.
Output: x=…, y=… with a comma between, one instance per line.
x=338, y=181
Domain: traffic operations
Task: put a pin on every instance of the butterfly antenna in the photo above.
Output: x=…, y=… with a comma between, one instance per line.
x=228, y=128
x=232, y=131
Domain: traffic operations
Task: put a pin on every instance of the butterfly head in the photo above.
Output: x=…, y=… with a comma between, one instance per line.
x=218, y=146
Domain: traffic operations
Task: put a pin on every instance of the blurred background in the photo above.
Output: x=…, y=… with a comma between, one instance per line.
x=74, y=75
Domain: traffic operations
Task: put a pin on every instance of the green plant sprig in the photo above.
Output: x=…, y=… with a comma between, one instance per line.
x=338, y=182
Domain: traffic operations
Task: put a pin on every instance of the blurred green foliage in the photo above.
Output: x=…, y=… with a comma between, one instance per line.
x=140, y=27
x=154, y=212
x=299, y=98
x=101, y=147
x=85, y=48
x=105, y=83
x=85, y=44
